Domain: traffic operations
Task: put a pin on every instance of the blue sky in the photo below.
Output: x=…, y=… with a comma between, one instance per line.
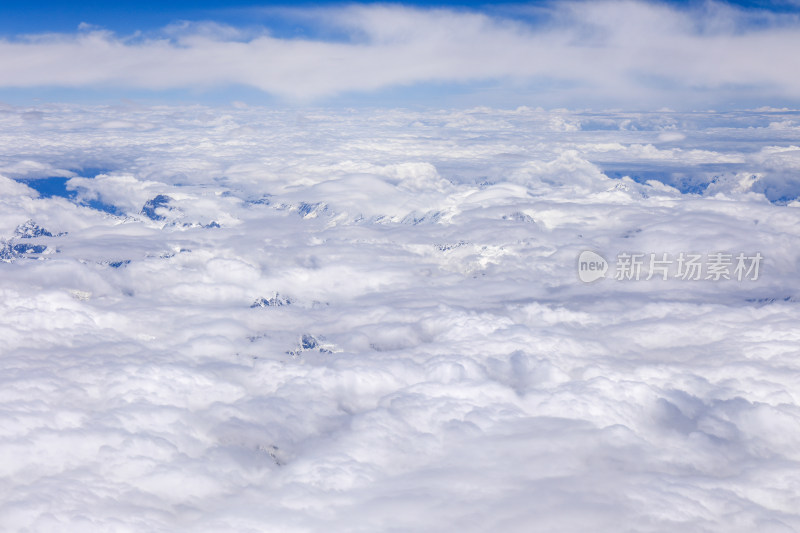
x=128, y=16
x=614, y=53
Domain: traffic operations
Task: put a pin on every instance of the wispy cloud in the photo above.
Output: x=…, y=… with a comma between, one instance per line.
x=615, y=52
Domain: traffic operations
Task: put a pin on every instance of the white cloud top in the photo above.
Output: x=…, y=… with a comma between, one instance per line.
x=374, y=322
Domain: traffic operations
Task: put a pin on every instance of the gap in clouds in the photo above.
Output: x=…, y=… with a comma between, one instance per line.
x=59, y=187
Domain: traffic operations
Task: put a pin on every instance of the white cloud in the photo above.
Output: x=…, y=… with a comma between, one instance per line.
x=440, y=365
x=613, y=52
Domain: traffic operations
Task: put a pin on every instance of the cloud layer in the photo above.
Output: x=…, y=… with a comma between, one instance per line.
x=612, y=52
x=373, y=322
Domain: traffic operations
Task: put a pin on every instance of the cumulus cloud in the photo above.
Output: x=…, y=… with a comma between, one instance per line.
x=385, y=329
x=615, y=52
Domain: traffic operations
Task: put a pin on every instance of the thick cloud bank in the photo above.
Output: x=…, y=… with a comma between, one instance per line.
x=613, y=52
x=246, y=320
